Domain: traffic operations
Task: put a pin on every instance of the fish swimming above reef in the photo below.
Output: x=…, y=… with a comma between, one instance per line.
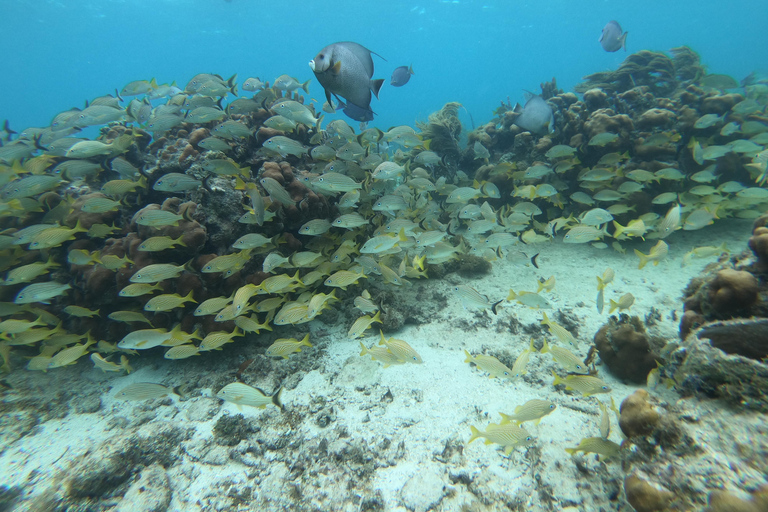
x=401, y=75
x=536, y=116
x=612, y=39
x=345, y=69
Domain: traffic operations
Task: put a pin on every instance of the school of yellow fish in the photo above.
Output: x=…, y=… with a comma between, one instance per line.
x=397, y=215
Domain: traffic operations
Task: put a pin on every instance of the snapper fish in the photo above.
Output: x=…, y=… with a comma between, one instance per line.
x=602, y=447
x=289, y=84
x=657, y=253
x=489, y=364
x=532, y=410
x=508, y=435
x=381, y=354
x=242, y=394
x=612, y=39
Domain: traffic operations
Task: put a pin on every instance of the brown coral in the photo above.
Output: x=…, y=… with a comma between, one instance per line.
x=625, y=348
x=638, y=417
x=758, y=242
x=606, y=120
x=595, y=99
x=732, y=293
x=645, y=496
x=655, y=118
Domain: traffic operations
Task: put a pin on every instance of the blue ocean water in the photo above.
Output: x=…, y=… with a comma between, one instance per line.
x=58, y=53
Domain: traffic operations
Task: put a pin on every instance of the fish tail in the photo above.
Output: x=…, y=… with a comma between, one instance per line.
x=376, y=86
x=495, y=306
x=383, y=340
x=571, y=451
x=644, y=258
x=557, y=380
x=276, y=398
x=512, y=295
x=305, y=341
x=544, y=349
x=613, y=305
x=469, y=358
x=600, y=284
x=624, y=41
x=619, y=229
x=305, y=85
x=505, y=418
x=364, y=349
x=475, y=433
x=376, y=318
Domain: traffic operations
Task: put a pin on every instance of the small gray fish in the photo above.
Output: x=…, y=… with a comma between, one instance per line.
x=276, y=191
x=401, y=75
x=144, y=391
x=536, y=116
x=284, y=146
x=612, y=39
x=176, y=182
x=253, y=84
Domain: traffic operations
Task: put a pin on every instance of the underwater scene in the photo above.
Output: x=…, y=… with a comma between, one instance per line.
x=406, y=256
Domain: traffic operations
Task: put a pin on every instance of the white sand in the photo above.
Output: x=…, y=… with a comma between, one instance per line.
x=432, y=405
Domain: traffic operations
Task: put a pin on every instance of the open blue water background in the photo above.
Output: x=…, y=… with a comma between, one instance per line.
x=58, y=53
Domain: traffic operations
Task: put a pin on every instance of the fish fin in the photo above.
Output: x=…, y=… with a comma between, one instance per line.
x=276, y=398
x=624, y=41
x=469, y=356
x=365, y=349
x=475, y=433
x=571, y=451
x=335, y=69
x=508, y=450
x=643, y=259
x=495, y=306
x=376, y=86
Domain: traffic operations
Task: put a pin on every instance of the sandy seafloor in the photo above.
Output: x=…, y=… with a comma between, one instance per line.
x=357, y=436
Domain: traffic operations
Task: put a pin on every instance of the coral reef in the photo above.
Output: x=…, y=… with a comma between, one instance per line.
x=646, y=496
x=638, y=417
x=627, y=349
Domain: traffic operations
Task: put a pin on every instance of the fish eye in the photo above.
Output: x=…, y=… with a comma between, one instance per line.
x=529, y=438
x=506, y=373
x=321, y=56
x=578, y=367
x=414, y=358
x=605, y=388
